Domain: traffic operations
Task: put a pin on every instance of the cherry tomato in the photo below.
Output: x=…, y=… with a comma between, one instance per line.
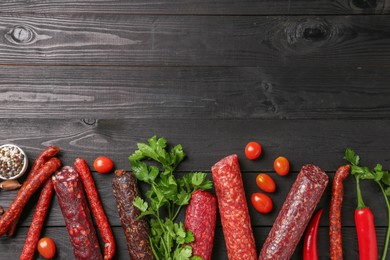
x=103, y=164
x=261, y=202
x=265, y=182
x=281, y=166
x=252, y=150
x=46, y=247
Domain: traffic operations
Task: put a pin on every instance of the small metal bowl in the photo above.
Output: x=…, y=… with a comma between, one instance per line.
x=6, y=173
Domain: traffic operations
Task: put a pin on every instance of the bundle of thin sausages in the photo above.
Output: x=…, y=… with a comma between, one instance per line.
x=69, y=185
x=44, y=166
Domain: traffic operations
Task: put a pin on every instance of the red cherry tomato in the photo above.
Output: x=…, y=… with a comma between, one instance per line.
x=261, y=202
x=265, y=182
x=46, y=247
x=103, y=164
x=281, y=166
x=252, y=150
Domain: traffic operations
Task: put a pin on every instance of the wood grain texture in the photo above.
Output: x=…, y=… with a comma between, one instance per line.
x=194, y=7
x=194, y=93
x=195, y=40
x=10, y=247
x=320, y=142
x=304, y=78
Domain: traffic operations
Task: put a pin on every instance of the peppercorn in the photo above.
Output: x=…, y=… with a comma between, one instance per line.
x=12, y=161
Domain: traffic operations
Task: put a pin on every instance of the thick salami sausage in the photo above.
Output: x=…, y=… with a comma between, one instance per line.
x=45, y=155
x=125, y=189
x=96, y=207
x=40, y=213
x=201, y=215
x=295, y=214
x=26, y=191
x=74, y=207
x=336, y=245
x=233, y=208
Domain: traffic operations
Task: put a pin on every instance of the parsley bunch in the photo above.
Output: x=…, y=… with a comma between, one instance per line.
x=166, y=196
x=380, y=176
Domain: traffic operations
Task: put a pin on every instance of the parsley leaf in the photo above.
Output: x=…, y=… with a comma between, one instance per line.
x=351, y=156
x=154, y=164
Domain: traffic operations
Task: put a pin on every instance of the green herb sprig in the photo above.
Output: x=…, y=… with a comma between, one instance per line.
x=380, y=176
x=166, y=197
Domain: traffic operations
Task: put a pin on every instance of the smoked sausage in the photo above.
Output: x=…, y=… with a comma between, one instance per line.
x=336, y=245
x=295, y=214
x=125, y=189
x=201, y=215
x=26, y=191
x=233, y=208
x=96, y=207
x=41, y=210
x=43, y=157
x=74, y=207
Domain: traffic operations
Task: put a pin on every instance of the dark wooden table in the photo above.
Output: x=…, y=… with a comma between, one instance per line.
x=305, y=78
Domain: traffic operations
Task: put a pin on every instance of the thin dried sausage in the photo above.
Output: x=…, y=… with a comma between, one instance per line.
x=26, y=191
x=41, y=210
x=201, y=215
x=233, y=208
x=295, y=213
x=336, y=245
x=125, y=189
x=96, y=207
x=44, y=156
x=74, y=207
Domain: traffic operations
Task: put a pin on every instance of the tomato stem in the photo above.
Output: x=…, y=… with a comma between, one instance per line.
x=360, y=201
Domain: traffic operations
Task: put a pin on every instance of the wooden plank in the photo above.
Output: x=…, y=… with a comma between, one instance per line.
x=194, y=7
x=355, y=41
x=321, y=142
x=11, y=247
x=196, y=92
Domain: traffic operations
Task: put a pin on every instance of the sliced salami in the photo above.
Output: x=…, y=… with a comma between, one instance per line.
x=74, y=207
x=233, y=208
x=295, y=214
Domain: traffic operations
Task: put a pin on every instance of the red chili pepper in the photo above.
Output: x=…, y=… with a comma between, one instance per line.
x=310, y=242
x=365, y=228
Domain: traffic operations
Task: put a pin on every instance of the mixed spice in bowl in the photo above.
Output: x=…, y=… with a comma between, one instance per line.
x=13, y=162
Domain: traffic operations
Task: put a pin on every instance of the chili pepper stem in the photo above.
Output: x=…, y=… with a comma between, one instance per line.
x=384, y=254
x=360, y=201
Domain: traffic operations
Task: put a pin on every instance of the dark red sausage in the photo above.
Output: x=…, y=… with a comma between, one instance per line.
x=233, y=208
x=34, y=232
x=96, y=207
x=295, y=214
x=336, y=245
x=26, y=191
x=125, y=189
x=74, y=207
x=45, y=155
x=201, y=215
